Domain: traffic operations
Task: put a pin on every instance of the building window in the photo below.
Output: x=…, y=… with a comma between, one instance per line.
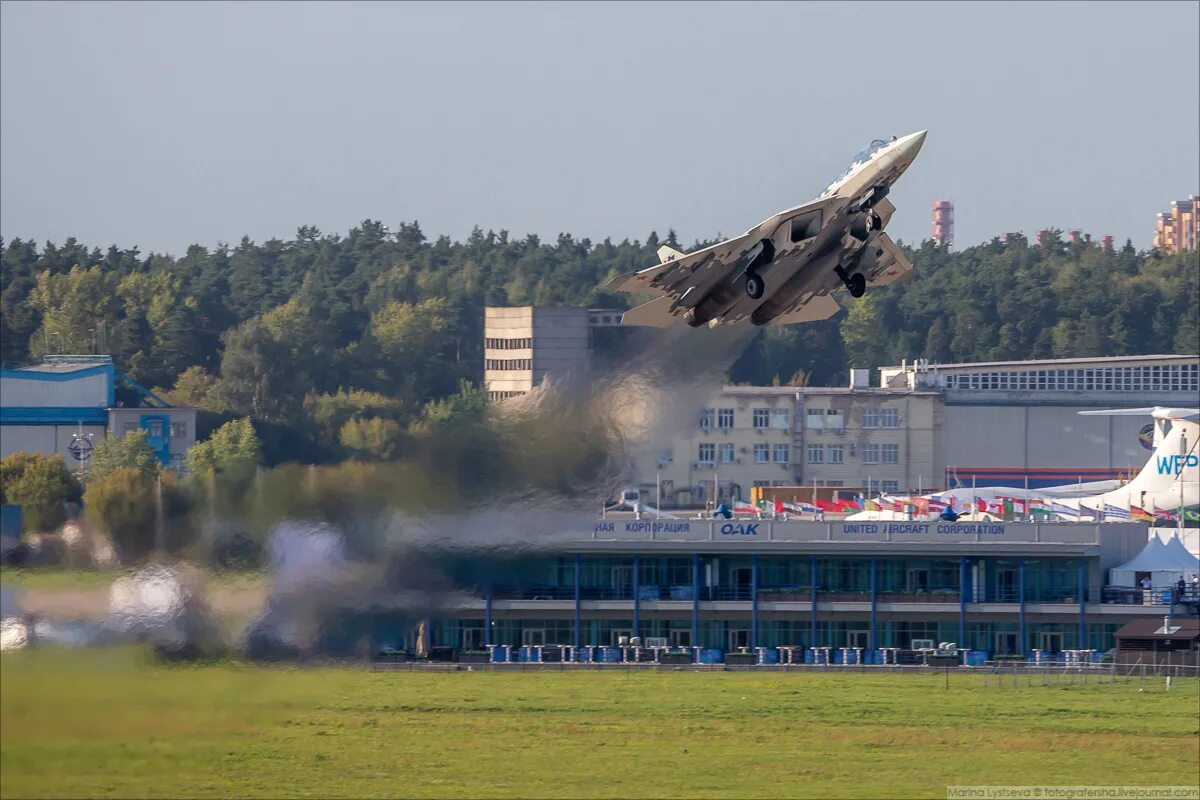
x=178, y=429
x=890, y=453
x=762, y=454
x=870, y=418
x=726, y=451
x=834, y=419
x=835, y=454
x=762, y=417
x=889, y=418
x=725, y=418
x=781, y=453
x=507, y=344
x=707, y=417
x=889, y=486
x=816, y=454
x=779, y=418
x=508, y=364
x=708, y=453
x=870, y=454
x=816, y=419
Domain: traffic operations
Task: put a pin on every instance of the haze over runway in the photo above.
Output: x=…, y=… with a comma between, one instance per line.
x=166, y=124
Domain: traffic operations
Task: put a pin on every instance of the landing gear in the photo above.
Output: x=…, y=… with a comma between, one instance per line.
x=856, y=283
x=754, y=286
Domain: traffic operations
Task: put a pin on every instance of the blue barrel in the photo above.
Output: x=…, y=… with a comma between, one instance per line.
x=808, y=656
x=769, y=656
x=609, y=655
x=711, y=655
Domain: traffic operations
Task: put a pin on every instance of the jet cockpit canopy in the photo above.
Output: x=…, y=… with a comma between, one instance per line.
x=861, y=157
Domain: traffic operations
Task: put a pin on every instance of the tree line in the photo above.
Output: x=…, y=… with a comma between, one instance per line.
x=350, y=346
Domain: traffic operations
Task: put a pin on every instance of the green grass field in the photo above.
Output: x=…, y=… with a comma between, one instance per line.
x=65, y=579
x=105, y=723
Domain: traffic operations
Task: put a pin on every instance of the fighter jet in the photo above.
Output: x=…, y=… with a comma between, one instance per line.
x=786, y=268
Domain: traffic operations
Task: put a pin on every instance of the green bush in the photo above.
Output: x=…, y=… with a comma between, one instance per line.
x=42, y=486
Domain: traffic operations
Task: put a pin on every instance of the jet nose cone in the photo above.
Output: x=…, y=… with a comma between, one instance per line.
x=913, y=142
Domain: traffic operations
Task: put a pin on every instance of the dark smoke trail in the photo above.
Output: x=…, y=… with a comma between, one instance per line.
x=502, y=488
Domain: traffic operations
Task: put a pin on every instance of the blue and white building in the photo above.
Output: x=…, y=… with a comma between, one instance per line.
x=67, y=403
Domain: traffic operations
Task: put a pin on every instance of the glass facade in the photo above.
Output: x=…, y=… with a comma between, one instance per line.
x=668, y=594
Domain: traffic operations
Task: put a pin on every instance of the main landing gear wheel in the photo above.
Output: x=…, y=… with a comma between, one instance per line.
x=857, y=284
x=754, y=286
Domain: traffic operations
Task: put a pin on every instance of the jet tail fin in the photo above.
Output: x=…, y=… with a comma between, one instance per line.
x=667, y=253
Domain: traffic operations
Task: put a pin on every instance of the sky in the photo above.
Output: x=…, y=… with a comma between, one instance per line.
x=160, y=125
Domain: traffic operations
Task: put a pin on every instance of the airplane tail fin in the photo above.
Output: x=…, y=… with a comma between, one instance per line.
x=1170, y=476
x=667, y=253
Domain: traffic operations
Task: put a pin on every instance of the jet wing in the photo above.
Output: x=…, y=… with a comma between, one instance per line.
x=890, y=267
x=819, y=307
x=679, y=272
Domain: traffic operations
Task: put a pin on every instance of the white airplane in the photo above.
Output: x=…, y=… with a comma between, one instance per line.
x=1170, y=480
x=785, y=268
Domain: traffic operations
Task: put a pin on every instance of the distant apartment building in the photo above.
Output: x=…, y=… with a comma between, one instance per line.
x=1176, y=229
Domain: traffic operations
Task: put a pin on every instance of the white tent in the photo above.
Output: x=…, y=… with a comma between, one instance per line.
x=1188, y=563
x=1165, y=563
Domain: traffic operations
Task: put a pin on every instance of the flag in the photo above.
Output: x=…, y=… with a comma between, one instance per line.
x=981, y=505
x=872, y=505
x=1066, y=512
x=1191, y=516
x=740, y=506
x=778, y=506
x=1009, y=507
x=800, y=507
x=1167, y=514
x=1020, y=505
x=1039, y=507
x=936, y=505
x=1115, y=512
x=1140, y=514
x=922, y=505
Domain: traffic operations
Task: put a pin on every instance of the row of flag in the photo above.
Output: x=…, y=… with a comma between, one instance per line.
x=1001, y=506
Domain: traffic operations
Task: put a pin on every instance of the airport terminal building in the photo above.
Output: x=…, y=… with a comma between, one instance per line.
x=728, y=586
